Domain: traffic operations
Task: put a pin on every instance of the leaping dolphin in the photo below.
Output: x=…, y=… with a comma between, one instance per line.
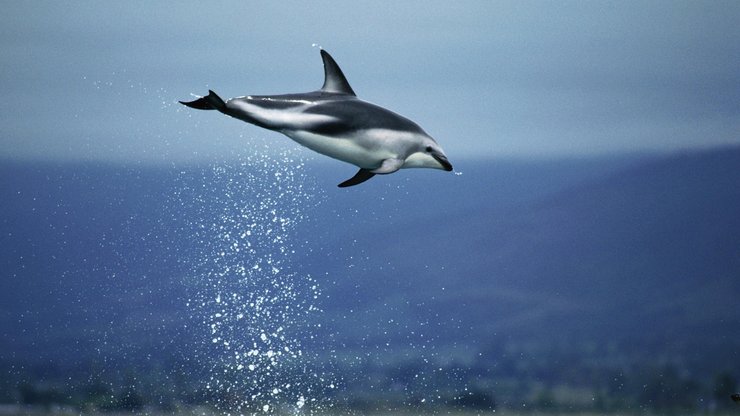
x=335, y=123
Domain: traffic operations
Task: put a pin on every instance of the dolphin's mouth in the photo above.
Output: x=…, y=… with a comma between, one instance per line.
x=446, y=165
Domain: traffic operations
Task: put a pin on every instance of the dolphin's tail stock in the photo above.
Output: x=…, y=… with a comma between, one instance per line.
x=210, y=102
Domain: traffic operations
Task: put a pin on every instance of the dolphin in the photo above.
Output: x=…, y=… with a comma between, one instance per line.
x=334, y=122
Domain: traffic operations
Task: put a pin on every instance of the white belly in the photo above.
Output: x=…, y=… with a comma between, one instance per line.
x=360, y=151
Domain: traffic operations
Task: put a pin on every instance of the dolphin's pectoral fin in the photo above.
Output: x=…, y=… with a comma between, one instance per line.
x=389, y=166
x=361, y=176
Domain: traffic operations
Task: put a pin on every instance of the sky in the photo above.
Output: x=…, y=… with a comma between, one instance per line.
x=100, y=80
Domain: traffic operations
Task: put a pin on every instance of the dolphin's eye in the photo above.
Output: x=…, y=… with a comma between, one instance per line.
x=429, y=149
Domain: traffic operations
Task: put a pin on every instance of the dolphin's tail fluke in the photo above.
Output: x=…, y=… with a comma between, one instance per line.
x=210, y=102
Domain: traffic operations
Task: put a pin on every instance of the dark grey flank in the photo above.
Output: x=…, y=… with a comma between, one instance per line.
x=351, y=113
x=335, y=99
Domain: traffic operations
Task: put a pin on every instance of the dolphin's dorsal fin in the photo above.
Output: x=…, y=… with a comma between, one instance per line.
x=334, y=80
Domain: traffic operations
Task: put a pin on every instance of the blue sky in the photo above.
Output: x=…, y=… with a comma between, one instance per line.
x=100, y=80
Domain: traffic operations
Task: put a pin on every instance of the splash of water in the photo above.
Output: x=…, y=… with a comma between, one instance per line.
x=253, y=305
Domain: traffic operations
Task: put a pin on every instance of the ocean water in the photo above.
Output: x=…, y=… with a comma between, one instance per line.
x=254, y=286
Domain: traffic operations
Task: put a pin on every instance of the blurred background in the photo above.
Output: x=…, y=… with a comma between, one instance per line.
x=583, y=257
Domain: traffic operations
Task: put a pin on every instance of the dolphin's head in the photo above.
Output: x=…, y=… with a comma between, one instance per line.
x=428, y=154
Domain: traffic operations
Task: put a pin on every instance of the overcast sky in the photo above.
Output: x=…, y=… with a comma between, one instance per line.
x=99, y=80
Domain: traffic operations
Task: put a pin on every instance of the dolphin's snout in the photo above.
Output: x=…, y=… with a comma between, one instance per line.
x=442, y=159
